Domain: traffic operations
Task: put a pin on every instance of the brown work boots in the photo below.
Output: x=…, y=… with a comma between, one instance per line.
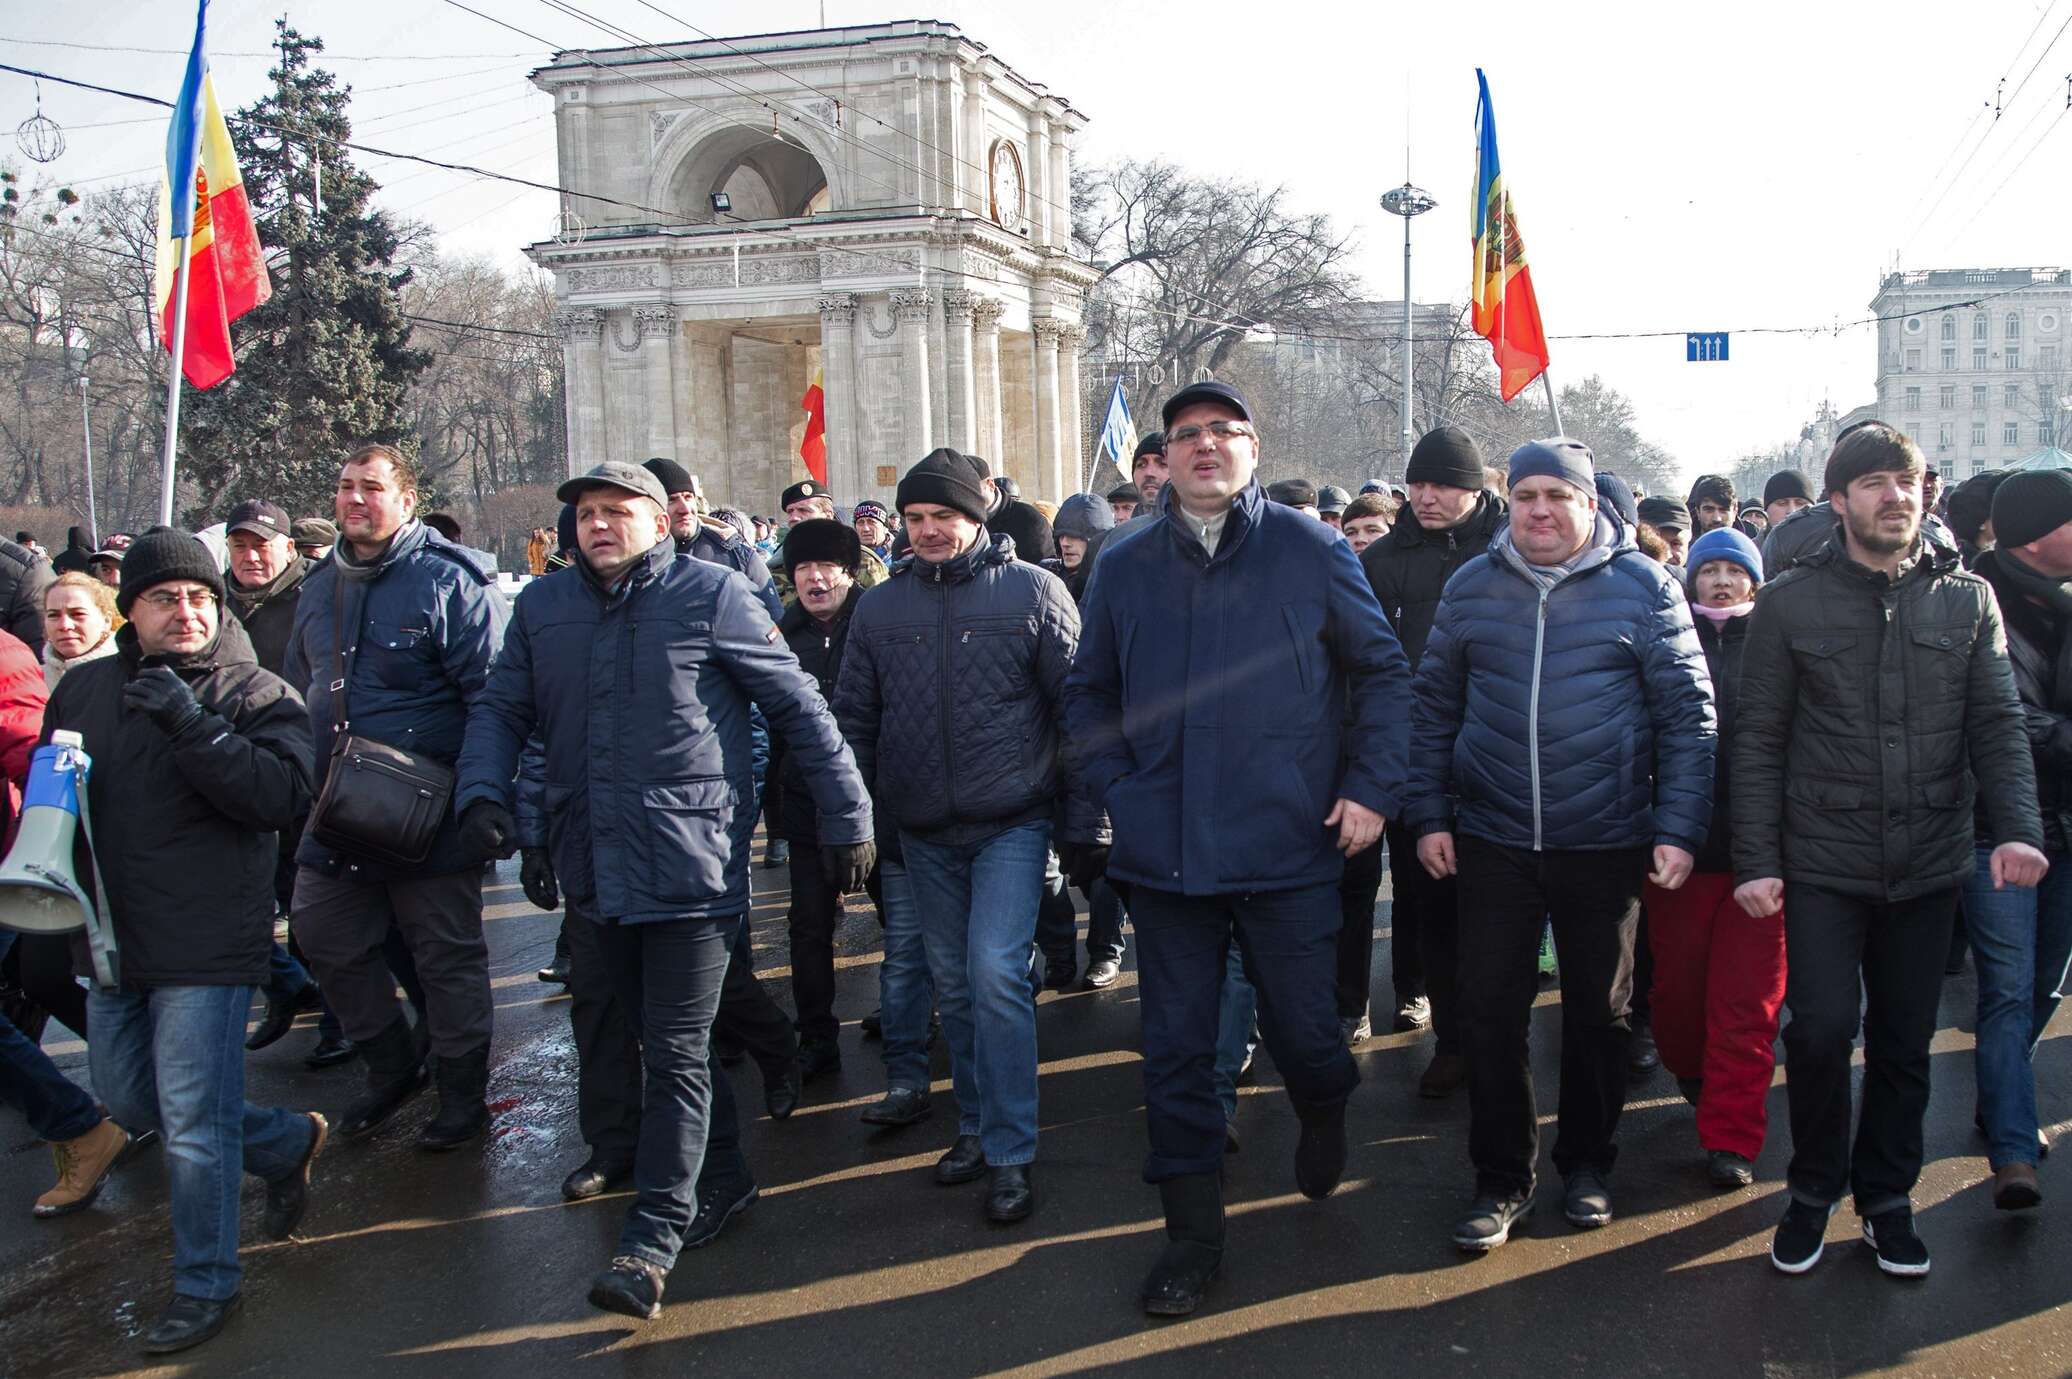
x=83, y=1165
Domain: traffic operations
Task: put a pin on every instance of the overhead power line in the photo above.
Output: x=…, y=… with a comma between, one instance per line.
x=261, y=52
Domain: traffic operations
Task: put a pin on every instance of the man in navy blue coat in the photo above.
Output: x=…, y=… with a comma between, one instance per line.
x=1561, y=751
x=637, y=667
x=1230, y=650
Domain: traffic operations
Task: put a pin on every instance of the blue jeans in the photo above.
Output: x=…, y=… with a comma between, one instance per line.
x=977, y=903
x=172, y=1059
x=54, y=1105
x=1237, y=1030
x=667, y=975
x=2020, y=938
x=905, y=996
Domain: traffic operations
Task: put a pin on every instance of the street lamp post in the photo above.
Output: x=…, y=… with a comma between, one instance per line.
x=1406, y=201
x=86, y=434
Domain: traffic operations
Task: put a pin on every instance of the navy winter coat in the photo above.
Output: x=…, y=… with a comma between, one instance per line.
x=428, y=623
x=952, y=690
x=1222, y=704
x=1579, y=720
x=641, y=697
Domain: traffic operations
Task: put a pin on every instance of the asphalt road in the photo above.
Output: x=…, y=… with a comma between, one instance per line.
x=855, y=1263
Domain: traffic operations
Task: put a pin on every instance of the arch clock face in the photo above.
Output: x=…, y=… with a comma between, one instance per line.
x=1005, y=172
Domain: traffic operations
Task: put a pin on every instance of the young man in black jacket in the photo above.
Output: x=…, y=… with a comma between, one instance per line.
x=200, y=757
x=1876, y=703
x=1448, y=521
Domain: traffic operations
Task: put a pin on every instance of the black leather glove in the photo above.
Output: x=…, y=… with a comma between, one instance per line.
x=164, y=698
x=1084, y=863
x=848, y=865
x=487, y=830
x=536, y=874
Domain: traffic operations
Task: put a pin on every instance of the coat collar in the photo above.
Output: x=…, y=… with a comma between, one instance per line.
x=1246, y=510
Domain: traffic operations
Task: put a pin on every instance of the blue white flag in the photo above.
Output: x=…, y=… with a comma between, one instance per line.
x=1118, y=432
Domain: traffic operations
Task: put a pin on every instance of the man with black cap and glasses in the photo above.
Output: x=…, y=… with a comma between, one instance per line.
x=1450, y=520
x=636, y=667
x=1232, y=653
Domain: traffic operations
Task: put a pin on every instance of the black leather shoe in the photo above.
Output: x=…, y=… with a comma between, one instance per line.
x=139, y=1144
x=1103, y=974
x=556, y=974
x=717, y=1206
x=873, y=1025
x=781, y=1093
x=596, y=1177
x=331, y=1050
x=187, y=1323
x=818, y=1059
x=1059, y=976
x=632, y=1286
x=1320, y=1153
x=278, y=1020
x=1011, y=1197
x=396, y=1072
x=900, y=1106
x=965, y=1163
x=1642, y=1057
x=287, y=1198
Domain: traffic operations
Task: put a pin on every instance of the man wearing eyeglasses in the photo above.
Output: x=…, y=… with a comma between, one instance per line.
x=1230, y=650
x=199, y=757
x=421, y=623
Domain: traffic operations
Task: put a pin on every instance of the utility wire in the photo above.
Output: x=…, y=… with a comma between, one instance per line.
x=262, y=52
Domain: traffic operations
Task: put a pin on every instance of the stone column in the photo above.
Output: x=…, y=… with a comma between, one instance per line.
x=961, y=424
x=1071, y=423
x=1059, y=184
x=911, y=306
x=838, y=386
x=1036, y=173
x=986, y=428
x=972, y=142
x=657, y=325
x=582, y=362
x=1050, y=470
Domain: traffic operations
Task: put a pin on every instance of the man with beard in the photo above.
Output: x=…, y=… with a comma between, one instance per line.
x=1877, y=706
x=1711, y=504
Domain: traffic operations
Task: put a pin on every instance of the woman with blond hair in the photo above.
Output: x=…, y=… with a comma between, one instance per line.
x=79, y=622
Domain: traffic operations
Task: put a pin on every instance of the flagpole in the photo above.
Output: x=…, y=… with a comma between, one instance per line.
x=172, y=391
x=1547, y=382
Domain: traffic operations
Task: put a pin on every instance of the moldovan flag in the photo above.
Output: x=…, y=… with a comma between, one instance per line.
x=813, y=449
x=1506, y=313
x=226, y=274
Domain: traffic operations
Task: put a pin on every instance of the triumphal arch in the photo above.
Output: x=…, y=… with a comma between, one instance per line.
x=884, y=207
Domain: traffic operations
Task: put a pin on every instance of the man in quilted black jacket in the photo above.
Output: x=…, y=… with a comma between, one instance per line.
x=951, y=696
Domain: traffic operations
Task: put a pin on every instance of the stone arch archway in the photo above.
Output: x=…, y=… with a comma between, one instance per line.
x=767, y=177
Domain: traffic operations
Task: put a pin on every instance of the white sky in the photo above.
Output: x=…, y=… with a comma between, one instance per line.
x=1673, y=167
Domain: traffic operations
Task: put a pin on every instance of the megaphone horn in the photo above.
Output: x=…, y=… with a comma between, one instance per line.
x=39, y=891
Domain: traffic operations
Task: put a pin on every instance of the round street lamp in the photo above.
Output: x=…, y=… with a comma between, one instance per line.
x=1406, y=201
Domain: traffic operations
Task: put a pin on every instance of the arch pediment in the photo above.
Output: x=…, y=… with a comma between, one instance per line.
x=706, y=147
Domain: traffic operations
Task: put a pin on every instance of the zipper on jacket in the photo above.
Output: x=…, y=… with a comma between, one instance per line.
x=1539, y=648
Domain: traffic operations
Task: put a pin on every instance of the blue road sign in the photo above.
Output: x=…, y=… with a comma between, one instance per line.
x=1705, y=347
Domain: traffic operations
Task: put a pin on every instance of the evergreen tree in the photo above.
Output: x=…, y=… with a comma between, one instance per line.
x=325, y=363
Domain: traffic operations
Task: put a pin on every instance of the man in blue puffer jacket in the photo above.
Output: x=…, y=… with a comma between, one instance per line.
x=1231, y=647
x=637, y=667
x=1561, y=752
x=422, y=625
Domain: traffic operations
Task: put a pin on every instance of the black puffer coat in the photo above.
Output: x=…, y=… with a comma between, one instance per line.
x=187, y=825
x=1872, y=712
x=2040, y=651
x=952, y=695
x=1723, y=644
x=268, y=612
x=24, y=575
x=1409, y=567
x=792, y=815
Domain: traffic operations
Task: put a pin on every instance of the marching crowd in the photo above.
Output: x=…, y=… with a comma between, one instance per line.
x=1728, y=766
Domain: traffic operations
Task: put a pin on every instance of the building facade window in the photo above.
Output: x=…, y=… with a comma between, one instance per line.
x=2047, y=358
x=1913, y=398
x=2011, y=433
x=1978, y=361
x=1978, y=397
x=1978, y=434
x=1947, y=396
x=1949, y=328
x=1942, y=436
x=1949, y=361
x=1978, y=326
x=2014, y=325
x=1913, y=359
x=2014, y=357
x=2011, y=395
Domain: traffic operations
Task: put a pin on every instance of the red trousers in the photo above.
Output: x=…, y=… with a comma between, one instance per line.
x=1719, y=984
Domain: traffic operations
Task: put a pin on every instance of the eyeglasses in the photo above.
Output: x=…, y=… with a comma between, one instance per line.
x=1221, y=430
x=167, y=601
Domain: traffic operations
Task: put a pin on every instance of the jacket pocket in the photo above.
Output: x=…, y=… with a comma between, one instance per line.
x=394, y=652
x=1941, y=660
x=687, y=839
x=1824, y=794
x=1830, y=672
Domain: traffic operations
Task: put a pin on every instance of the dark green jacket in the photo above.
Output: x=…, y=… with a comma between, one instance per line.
x=1872, y=712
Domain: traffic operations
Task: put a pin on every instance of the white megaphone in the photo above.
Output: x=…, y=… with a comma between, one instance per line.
x=39, y=893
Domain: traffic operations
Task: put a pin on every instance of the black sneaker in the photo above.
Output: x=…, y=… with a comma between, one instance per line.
x=1900, y=1251
x=1800, y=1238
x=1586, y=1202
x=1489, y=1221
x=717, y=1206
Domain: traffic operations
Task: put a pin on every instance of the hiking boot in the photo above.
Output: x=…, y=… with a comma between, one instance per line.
x=83, y=1166
x=631, y=1286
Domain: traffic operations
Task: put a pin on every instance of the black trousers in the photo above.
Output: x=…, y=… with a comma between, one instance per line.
x=1838, y=946
x=1423, y=920
x=1057, y=920
x=1358, y=889
x=815, y=914
x=1506, y=894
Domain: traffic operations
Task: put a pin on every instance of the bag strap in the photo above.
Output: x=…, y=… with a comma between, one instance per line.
x=341, y=668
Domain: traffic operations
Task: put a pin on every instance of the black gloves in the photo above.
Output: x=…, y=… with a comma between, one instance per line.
x=1084, y=863
x=487, y=830
x=536, y=874
x=164, y=698
x=848, y=865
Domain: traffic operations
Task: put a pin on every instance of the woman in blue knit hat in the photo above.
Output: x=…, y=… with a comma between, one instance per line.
x=1719, y=975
